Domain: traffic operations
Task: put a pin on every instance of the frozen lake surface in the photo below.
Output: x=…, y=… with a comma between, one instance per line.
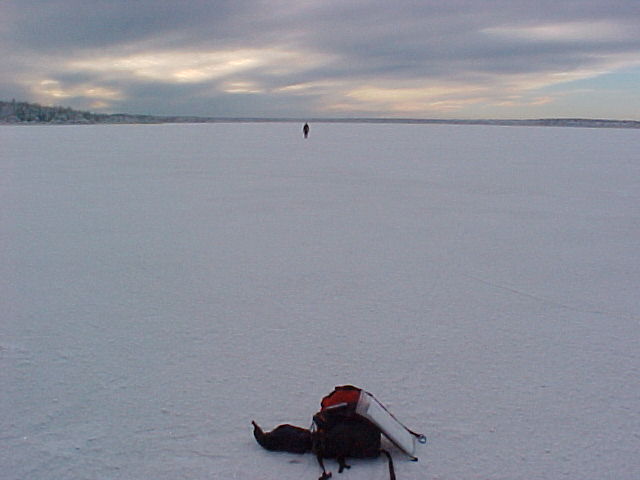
x=162, y=286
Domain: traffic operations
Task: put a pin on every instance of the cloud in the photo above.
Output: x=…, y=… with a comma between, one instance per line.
x=410, y=57
x=406, y=100
x=195, y=66
x=53, y=88
x=591, y=31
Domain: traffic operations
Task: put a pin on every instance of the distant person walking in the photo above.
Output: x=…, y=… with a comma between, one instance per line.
x=305, y=130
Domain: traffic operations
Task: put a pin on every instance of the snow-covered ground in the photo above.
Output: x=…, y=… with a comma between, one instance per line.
x=162, y=286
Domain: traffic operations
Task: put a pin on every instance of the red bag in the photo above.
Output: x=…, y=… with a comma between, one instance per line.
x=345, y=396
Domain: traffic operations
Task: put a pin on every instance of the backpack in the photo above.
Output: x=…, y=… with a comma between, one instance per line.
x=338, y=431
x=350, y=423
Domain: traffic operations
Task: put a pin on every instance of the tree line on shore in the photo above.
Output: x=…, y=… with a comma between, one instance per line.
x=14, y=112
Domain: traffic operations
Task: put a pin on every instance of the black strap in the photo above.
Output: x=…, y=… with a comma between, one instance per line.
x=325, y=475
x=392, y=472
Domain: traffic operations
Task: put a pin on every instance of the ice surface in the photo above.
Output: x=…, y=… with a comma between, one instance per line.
x=162, y=286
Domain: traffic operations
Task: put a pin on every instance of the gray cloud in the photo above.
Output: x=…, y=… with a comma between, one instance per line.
x=283, y=57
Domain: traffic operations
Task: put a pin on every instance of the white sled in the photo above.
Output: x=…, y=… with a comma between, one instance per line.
x=371, y=409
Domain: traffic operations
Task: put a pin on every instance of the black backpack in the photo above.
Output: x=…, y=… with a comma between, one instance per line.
x=339, y=432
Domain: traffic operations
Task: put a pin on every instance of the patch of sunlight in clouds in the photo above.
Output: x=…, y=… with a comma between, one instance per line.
x=53, y=89
x=241, y=87
x=197, y=67
x=402, y=100
x=569, y=31
x=432, y=98
x=319, y=87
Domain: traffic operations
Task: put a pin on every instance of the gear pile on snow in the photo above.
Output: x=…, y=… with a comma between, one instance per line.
x=350, y=423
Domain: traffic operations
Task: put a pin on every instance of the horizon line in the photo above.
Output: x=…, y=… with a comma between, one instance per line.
x=542, y=121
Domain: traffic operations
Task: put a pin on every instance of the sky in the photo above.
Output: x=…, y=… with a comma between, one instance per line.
x=463, y=59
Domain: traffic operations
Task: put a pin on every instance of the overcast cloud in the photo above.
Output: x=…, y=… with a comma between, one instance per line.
x=453, y=59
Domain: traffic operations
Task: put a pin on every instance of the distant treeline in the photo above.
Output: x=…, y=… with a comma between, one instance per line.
x=34, y=114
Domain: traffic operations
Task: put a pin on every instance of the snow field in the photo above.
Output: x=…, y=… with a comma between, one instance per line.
x=165, y=285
